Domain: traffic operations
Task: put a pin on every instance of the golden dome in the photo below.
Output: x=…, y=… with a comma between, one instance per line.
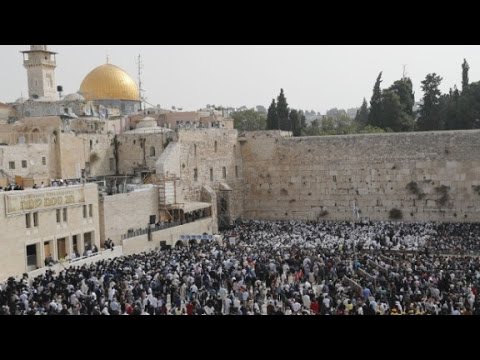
x=109, y=82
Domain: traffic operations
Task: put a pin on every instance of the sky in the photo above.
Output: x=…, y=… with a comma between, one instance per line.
x=314, y=77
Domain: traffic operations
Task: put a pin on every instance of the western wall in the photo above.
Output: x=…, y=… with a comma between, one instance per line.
x=424, y=176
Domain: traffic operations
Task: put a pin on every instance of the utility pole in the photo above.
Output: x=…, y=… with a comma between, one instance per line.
x=404, y=74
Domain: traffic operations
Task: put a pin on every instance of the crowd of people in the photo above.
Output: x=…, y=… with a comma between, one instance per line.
x=284, y=268
x=11, y=187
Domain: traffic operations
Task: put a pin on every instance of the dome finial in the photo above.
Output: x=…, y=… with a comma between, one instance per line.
x=108, y=59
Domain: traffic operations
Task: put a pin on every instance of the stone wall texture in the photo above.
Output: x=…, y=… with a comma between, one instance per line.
x=122, y=212
x=426, y=175
x=214, y=154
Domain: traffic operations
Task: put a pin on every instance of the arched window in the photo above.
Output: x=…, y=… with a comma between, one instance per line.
x=152, y=151
x=215, y=146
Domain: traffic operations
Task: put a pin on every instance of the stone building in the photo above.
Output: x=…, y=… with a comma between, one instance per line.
x=45, y=223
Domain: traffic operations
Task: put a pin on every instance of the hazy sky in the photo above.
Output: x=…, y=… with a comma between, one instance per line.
x=316, y=77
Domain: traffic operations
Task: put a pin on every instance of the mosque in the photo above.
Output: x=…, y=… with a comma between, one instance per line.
x=105, y=91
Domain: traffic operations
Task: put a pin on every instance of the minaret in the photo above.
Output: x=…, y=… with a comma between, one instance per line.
x=40, y=64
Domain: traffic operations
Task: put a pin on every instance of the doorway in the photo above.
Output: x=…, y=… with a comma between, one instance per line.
x=61, y=248
x=87, y=240
x=223, y=209
x=75, y=245
x=33, y=252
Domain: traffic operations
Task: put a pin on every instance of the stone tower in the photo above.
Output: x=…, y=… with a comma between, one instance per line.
x=40, y=64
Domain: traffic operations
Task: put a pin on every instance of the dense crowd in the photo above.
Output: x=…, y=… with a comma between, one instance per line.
x=293, y=267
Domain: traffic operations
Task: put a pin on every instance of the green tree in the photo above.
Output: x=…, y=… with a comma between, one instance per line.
x=295, y=120
x=362, y=114
x=468, y=113
x=449, y=104
x=391, y=110
x=328, y=126
x=404, y=90
x=430, y=109
x=465, y=69
x=375, y=115
x=314, y=129
x=272, y=117
x=397, y=106
x=249, y=120
x=282, y=112
x=371, y=130
x=303, y=120
x=336, y=113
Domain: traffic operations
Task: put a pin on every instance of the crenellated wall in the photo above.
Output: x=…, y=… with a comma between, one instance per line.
x=426, y=175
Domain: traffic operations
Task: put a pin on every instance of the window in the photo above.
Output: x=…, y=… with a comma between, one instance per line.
x=24, y=164
x=65, y=214
x=334, y=178
x=11, y=164
x=44, y=160
x=236, y=171
x=91, y=144
x=112, y=164
x=211, y=174
x=58, y=216
x=35, y=219
x=85, y=211
x=28, y=221
x=195, y=149
x=90, y=210
x=224, y=172
x=216, y=146
x=152, y=150
x=195, y=174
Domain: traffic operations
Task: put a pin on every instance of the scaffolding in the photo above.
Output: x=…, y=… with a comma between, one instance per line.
x=167, y=196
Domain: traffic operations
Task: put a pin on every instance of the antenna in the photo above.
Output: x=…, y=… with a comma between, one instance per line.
x=404, y=75
x=140, y=90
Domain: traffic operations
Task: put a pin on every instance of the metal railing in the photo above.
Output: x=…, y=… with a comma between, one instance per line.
x=143, y=231
x=157, y=227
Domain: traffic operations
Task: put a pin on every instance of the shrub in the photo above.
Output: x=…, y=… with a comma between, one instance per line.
x=414, y=189
x=323, y=213
x=94, y=157
x=395, y=214
x=476, y=189
x=443, y=190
